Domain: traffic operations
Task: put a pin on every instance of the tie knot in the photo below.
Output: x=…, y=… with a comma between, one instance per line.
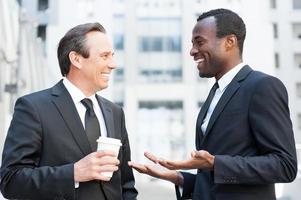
x=89, y=105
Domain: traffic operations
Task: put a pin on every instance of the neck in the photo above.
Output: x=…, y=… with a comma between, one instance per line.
x=230, y=65
x=81, y=85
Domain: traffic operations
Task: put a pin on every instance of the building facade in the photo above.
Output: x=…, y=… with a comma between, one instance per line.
x=286, y=21
x=22, y=62
x=156, y=80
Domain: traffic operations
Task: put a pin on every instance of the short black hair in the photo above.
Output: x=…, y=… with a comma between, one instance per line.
x=227, y=22
x=75, y=40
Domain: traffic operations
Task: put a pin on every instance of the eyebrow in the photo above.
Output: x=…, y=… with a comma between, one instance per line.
x=197, y=38
x=107, y=52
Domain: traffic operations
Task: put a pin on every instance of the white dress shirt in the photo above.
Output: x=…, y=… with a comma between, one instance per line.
x=223, y=83
x=77, y=95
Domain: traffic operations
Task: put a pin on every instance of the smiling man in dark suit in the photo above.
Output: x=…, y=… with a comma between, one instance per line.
x=50, y=149
x=244, y=138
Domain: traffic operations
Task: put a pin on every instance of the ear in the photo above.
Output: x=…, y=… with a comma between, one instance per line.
x=75, y=59
x=231, y=42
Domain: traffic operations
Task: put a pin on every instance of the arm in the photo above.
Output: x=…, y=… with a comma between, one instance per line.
x=21, y=175
x=272, y=130
x=129, y=191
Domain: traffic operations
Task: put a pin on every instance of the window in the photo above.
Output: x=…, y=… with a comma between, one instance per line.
x=173, y=44
x=297, y=30
x=159, y=44
x=299, y=120
x=275, y=30
x=161, y=128
x=119, y=74
x=119, y=41
x=200, y=104
x=297, y=59
x=158, y=104
x=273, y=4
x=298, y=87
x=41, y=32
x=148, y=44
x=160, y=75
x=277, y=63
x=297, y=4
x=42, y=5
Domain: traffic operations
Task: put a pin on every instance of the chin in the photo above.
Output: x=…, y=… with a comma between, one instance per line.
x=204, y=75
x=103, y=87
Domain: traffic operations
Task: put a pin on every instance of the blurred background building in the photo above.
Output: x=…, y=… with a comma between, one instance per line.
x=156, y=80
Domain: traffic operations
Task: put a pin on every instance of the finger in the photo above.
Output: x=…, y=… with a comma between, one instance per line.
x=153, y=172
x=103, y=176
x=151, y=157
x=200, y=154
x=97, y=172
x=193, y=154
x=107, y=168
x=133, y=164
x=105, y=153
x=175, y=165
x=107, y=160
x=166, y=164
x=139, y=167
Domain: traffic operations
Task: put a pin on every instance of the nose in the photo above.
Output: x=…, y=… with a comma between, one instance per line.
x=193, y=51
x=112, y=64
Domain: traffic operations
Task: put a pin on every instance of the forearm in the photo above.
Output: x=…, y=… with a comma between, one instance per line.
x=33, y=183
x=265, y=169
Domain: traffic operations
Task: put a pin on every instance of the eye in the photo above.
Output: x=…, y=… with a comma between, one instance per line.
x=104, y=56
x=200, y=42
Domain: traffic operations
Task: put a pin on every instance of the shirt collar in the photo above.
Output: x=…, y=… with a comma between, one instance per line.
x=224, y=81
x=76, y=94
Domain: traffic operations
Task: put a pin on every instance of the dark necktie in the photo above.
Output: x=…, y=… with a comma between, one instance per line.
x=210, y=97
x=91, y=124
x=205, y=107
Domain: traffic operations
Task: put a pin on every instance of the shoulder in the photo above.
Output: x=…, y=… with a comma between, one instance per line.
x=35, y=97
x=266, y=88
x=263, y=80
x=109, y=103
x=259, y=80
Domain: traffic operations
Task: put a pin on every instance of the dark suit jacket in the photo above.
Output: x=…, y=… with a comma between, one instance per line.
x=250, y=134
x=46, y=137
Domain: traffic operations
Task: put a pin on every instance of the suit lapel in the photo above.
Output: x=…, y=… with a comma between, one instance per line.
x=108, y=116
x=67, y=109
x=225, y=98
x=199, y=132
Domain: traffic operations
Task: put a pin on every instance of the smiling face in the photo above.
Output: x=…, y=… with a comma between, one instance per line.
x=92, y=74
x=207, y=50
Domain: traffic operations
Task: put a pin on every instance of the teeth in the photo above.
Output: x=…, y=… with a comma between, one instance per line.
x=200, y=60
x=105, y=74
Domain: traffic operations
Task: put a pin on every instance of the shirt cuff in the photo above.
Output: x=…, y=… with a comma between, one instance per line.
x=76, y=184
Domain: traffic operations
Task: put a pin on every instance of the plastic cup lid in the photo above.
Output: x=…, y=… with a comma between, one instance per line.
x=109, y=140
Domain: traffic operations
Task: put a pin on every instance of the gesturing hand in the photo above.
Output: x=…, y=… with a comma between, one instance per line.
x=199, y=160
x=157, y=170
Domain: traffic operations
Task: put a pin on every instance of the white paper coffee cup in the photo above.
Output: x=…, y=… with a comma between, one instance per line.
x=106, y=143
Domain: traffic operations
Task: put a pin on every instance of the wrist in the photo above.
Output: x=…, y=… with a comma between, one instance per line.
x=211, y=162
x=177, y=178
